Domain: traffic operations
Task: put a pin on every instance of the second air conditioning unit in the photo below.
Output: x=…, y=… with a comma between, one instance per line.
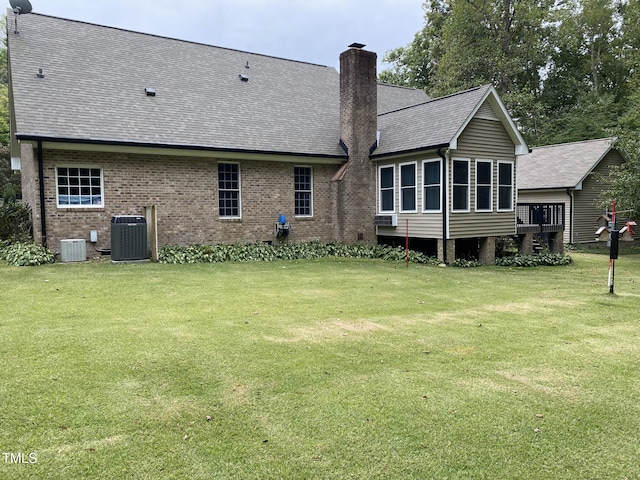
x=385, y=220
x=128, y=238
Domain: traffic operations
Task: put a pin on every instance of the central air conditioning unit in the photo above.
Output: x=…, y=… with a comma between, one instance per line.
x=128, y=238
x=73, y=250
x=385, y=220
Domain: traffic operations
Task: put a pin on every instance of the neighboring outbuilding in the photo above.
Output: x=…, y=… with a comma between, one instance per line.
x=565, y=175
x=218, y=145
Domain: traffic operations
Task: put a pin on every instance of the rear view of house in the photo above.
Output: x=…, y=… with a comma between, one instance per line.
x=217, y=145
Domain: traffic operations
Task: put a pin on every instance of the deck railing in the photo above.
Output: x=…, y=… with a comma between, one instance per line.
x=540, y=217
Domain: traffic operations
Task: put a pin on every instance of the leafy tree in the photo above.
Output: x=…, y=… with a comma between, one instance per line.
x=624, y=180
x=9, y=181
x=415, y=65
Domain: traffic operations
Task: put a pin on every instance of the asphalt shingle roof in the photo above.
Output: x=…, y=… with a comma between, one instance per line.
x=428, y=124
x=95, y=80
x=560, y=166
x=94, y=90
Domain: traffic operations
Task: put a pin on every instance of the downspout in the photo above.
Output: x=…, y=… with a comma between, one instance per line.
x=571, y=200
x=444, y=203
x=43, y=216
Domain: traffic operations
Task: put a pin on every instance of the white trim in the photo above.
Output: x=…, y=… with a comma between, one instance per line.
x=513, y=186
x=490, y=162
x=310, y=215
x=185, y=152
x=491, y=94
x=80, y=206
x=468, y=161
x=230, y=217
x=424, y=186
x=393, y=188
x=415, y=187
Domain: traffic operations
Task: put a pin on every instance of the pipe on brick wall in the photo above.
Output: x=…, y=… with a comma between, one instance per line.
x=43, y=216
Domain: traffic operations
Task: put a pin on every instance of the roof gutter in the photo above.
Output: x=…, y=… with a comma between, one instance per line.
x=43, y=216
x=167, y=146
x=437, y=147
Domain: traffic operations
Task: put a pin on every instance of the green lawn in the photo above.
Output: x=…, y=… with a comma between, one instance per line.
x=324, y=369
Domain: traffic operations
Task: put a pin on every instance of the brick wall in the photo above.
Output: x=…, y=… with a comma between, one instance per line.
x=185, y=193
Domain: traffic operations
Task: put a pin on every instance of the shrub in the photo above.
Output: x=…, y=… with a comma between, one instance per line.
x=248, y=252
x=9, y=194
x=25, y=254
x=550, y=259
x=15, y=222
x=462, y=263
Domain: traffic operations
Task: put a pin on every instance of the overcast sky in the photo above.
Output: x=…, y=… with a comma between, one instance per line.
x=315, y=31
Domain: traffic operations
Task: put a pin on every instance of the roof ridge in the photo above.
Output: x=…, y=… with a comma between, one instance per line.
x=432, y=100
x=573, y=143
x=400, y=86
x=192, y=42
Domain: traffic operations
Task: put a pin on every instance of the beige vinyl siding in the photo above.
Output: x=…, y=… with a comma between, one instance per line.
x=483, y=139
x=550, y=196
x=585, y=212
x=421, y=225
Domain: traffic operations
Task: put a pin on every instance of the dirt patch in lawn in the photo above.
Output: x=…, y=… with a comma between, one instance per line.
x=327, y=331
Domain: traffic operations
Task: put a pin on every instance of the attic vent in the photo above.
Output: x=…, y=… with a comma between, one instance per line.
x=150, y=91
x=243, y=77
x=487, y=112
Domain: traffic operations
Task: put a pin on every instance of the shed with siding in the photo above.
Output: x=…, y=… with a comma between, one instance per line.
x=568, y=174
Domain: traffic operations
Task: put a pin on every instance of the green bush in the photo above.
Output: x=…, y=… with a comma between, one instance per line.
x=9, y=194
x=15, y=222
x=250, y=252
x=462, y=263
x=25, y=254
x=550, y=259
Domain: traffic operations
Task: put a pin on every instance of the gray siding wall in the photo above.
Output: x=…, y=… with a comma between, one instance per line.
x=421, y=225
x=586, y=213
x=487, y=140
x=483, y=139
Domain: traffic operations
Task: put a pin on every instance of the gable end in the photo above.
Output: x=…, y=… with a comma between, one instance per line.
x=486, y=112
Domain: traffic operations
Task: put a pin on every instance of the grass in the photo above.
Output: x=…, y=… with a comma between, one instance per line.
x=328, y=369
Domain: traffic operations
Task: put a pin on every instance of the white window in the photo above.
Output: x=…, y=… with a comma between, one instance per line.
x=229, y=205
x=484, y=185
x=408, y=187
x=79, y=187
x=461, y=185
x=432, y=181
x=505, y=186
x=386, y=188
x=303, y=183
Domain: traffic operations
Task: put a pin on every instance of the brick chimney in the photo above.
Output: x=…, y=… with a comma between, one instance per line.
x=356, y=183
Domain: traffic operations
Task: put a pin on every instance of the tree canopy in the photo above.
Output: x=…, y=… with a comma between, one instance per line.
x=567, y=70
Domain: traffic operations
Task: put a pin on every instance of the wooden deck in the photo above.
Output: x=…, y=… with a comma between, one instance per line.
x=540, y=217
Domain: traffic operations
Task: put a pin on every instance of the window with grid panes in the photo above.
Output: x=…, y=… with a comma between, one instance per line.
x=229, y=190
x=303, y=183
x=79, y=187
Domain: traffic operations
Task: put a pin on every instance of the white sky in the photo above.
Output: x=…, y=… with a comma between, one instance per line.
x=315, y=31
